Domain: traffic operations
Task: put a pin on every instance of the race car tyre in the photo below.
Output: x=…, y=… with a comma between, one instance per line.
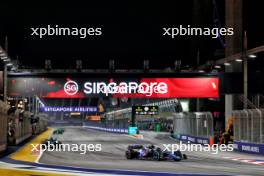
x=184, y=156
x=178, y=153
x=156, y=156
x=177, y=156
x=128, y=155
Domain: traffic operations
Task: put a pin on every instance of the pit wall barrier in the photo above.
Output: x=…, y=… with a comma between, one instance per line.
x=250, y=148
x=20, y=126
x=41, y=126
x=3, y=125
x=23, y=129
x=112, y=130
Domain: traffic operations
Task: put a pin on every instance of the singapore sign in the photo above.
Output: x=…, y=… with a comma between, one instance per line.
x=148, y=88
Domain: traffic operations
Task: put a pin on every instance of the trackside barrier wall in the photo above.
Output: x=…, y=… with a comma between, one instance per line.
x=248, y=130
x=3, y=125
x=113, y=130
x=196, y=127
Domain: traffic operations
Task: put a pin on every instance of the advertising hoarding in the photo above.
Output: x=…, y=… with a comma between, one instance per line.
x=126, y=88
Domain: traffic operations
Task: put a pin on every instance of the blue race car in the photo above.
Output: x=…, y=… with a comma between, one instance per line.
x=152, y=153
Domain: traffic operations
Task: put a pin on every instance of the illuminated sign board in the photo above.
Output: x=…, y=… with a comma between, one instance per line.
x=145, y=110
x=201, y=87
x=151, y=88
x=69, y=109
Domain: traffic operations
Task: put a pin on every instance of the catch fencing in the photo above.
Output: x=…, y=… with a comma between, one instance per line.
x=195, y=124
x=248, y=125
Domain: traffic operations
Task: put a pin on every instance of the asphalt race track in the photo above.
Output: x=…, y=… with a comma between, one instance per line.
x=114, y=145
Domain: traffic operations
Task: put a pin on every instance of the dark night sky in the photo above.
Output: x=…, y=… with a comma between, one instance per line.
x=131, y=32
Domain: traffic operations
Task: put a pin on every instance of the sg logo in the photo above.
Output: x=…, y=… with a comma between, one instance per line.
x=71, y=88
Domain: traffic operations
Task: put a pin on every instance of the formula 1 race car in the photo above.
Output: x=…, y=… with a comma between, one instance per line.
x=152, y=153
x=58, y=131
